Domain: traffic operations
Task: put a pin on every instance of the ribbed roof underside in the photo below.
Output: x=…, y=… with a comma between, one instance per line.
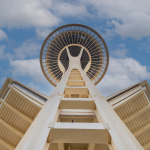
x=135, y=112
x=74, y=35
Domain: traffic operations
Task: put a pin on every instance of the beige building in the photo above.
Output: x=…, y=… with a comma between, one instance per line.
x=74, y=58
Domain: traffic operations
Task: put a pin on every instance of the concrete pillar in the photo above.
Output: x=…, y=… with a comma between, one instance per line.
x=122, y=137
x=36, y=136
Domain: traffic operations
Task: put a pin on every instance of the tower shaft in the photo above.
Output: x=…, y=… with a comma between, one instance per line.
x=77, y=114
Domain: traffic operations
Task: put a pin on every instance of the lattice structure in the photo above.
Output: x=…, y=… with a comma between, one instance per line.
x=74, y=36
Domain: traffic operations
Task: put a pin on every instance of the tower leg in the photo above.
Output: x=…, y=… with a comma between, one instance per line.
x=37, y=134
x=122, y=137
x=46, y=147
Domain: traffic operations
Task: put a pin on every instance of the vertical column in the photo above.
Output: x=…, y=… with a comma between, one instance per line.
x=122, y=137
x=36, y=136
x=91, y=146
x=61, y=146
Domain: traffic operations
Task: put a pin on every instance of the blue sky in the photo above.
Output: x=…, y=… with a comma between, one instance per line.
x=124, y=25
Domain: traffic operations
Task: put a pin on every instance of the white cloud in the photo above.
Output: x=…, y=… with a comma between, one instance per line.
x=31, y=68
x=135, y=24
x=108, y=34
x=4, y=54
x=43, y=32
x=41, y=14
x=32, y=85
x=28, y=48
x=2, y=48
x=3, y=35
x=45, y=13
x=145, y=45
x=129, y=18
x=2, y=80
x=121, y=51
x=70, y=9
x=122, y=73
x=16, y=13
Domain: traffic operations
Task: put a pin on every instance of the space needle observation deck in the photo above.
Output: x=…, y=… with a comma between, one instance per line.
x=54, y=57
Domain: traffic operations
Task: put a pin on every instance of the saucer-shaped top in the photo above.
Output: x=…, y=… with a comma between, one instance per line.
x=74, y=37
